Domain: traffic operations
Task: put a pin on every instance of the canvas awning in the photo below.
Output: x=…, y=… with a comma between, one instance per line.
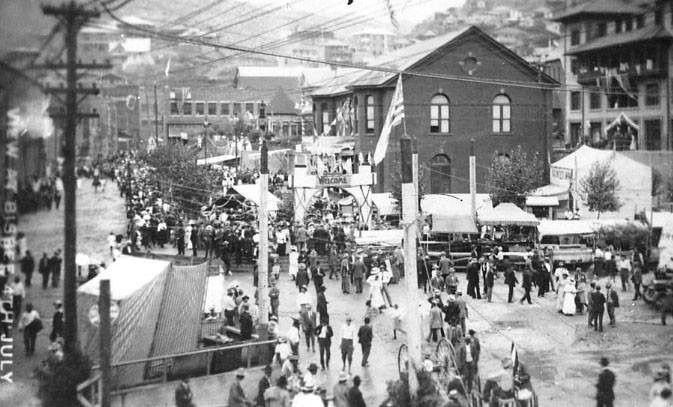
x=506, y=214
x=390, y=237
x=215, y=160
x=127, y=275
x=542, y=201
x=453, y=224
x=385, y=203
x=565, y=227
x=251, y=193
x=347, y=201
x=559, y=192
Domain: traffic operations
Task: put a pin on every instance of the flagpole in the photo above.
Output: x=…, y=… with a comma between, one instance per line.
x=404, y=119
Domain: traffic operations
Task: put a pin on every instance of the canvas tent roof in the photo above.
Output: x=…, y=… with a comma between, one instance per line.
x=390, y=237
x=506, y=214
x=564, y=227
x=251, y=193
x=541, y=201
x=127, y=275
x=385, y=203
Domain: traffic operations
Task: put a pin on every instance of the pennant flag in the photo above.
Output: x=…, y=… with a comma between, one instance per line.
x=168, y=67
x=515, y=358
x=391, y=13
x=394, y=117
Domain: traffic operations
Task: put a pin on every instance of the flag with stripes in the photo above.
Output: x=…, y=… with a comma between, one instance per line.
x=394, y=117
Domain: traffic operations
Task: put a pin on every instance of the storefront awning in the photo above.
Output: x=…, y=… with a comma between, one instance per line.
x=506, y=214
x=542, y=201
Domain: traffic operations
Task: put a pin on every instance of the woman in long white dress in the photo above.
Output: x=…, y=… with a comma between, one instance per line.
x=375, y=284
x=560, y=292
x=570, y=290
x=293, y=259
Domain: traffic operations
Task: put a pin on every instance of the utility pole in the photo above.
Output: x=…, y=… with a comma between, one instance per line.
x=205, y=140
x=156, y=116
x=409, y=214
x=105, y=341
x=73, y=16
x=263, y=252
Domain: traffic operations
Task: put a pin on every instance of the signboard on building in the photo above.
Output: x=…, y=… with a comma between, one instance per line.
x=334, y=180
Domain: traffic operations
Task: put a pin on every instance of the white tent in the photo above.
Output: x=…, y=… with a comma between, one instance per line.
x=564, y=227
x=251, y=193
x=506, y=214
x=635, y=180
x=452, y=213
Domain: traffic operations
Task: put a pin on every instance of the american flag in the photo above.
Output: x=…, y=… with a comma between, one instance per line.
x=393, y=118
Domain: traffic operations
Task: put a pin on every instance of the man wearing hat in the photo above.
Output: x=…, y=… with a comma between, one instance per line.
x=236, y=393
x=302, y=278
x=359, y=271
x=340, y=391
x=229, y=306
x=307, y=397
x=324, y=333
x=345, y=271
x=436, y=282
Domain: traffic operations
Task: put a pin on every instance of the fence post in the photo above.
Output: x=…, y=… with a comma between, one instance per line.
x=165, y=364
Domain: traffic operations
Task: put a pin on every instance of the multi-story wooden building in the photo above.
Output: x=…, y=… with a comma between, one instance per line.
x=473, y=87
x=618, y=60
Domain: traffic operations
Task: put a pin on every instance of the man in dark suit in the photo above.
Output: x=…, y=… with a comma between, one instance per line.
x=597, y=309
x=511, y=281
x=45, y=270
x=359, y=271
x=365, y=336
x=526, y=284
x=324, y=333
x=473, y=279
x=605, y=395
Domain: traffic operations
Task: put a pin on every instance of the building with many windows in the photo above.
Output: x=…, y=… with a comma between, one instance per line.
x=469, y=86
x=617, y=59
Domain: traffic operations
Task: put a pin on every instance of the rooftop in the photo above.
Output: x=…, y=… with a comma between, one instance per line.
x=603, y=8
x=624, y=38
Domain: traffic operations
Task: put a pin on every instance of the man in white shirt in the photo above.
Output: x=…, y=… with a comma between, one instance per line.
x=348, y=334
x=111, y=242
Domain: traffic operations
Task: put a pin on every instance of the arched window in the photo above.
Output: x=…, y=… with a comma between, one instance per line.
x=369, y=113
x=440, y=174
x=439, y=114
x=502, y=114
x=324, y=109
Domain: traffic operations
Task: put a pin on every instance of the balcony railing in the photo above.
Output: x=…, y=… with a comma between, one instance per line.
x=587, y=76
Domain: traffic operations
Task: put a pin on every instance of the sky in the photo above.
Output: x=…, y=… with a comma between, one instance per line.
x=407, y=11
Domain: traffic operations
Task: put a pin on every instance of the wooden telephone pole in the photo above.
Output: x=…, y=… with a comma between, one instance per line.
x=72, y=16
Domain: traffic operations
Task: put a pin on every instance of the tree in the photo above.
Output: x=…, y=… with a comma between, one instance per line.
x=513, y=175
x=601, y=186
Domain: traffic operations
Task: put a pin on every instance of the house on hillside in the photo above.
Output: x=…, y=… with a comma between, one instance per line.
x=495, y=97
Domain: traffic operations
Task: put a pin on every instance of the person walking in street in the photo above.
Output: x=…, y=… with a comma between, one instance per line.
x=637, y=279
x=18, y=295
x=274, y=297
x=355, y=398
x=55, y=266
x=308, y=325
x=237, y=396
x=345, y=272
x=28, y=267
x=511, y=281
x=293, y=263
x=302, y=279
x=605, y=395
x=183, y=394
x=340, y=391
x=359, y=271
x=324, y=333
x=473, y=279
x=451, y=282
x=57, y=322
x=489, y=282
x=526, y=284
x=347, y=337
x=611, y=303
x=45, y=270
x=597, y=308
x=464, y=315
x=436, y=321
x=365, y=336
x=321, y=307
x=475, y=348
x=30, y=324
x=624, y=266
x=590, y=312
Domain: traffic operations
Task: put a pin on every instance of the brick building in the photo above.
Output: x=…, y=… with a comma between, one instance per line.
x=511, y=106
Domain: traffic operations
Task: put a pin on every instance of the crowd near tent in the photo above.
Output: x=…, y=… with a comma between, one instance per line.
x=635, y=192
x=156, y=312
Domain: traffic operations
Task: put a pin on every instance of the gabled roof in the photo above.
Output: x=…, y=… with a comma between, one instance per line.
x=603, y=8
x=623, y=38
x=409, y=57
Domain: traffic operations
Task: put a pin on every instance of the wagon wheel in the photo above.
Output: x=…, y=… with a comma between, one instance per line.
x=403, y=360
x=446, y=357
